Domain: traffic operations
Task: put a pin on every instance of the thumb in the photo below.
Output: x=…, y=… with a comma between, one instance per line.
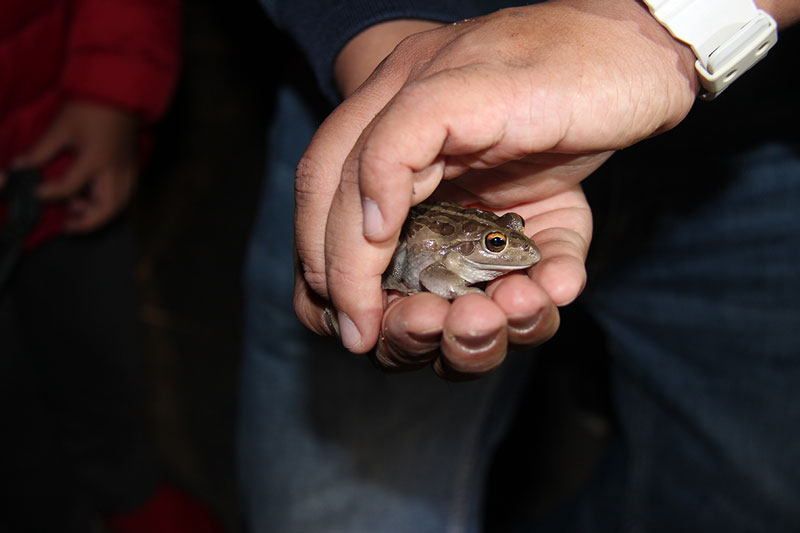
x=49, y=145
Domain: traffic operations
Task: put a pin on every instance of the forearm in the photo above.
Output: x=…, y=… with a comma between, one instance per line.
x=364, y=52
x=322, y=28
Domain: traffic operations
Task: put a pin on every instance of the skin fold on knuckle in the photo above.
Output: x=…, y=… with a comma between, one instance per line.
x=317, y=281
x=381, y=176
x=311, y=308
x=564, y=278
x=391, y=357
x=401, y=343
x=306, y=315
x=530, y=335
x=558, y=242
x=488, y=352
x=309, y=175
x=311, y=271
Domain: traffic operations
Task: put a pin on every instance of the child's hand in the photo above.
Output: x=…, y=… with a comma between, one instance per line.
x=102, y=177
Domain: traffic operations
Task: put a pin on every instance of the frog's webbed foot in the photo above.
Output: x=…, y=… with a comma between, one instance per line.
x=439, y=280
x=393, y=277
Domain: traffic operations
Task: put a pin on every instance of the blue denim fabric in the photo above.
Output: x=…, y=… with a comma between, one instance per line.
x=704, y=329
x=327, y=442
x=696, y=285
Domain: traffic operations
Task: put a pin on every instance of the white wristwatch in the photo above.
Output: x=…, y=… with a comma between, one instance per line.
x=727, y=36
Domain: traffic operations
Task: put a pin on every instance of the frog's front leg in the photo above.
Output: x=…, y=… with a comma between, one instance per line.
x=448, y=284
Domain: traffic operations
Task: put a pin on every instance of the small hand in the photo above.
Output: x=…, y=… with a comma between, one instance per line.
x=102, y=177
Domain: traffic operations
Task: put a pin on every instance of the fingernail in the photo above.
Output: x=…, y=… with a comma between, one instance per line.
x=478, y=342
x=351, y=337
x=373, y=219
x=331, y=322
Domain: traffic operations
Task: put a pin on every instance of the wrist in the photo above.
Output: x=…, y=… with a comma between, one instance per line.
x=727, y=37
x=785, y=12
x=685, y=56
x=636, y=14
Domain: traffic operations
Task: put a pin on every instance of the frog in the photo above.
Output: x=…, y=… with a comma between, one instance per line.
x=445, y=249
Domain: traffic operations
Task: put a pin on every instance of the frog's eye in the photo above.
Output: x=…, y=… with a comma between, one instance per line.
x=495, y=242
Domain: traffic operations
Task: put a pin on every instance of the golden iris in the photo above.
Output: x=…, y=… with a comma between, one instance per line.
x=495, y=242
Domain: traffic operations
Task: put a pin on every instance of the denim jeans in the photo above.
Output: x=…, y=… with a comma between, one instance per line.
x=695, y=280
x=703, y=325
x=329, y=443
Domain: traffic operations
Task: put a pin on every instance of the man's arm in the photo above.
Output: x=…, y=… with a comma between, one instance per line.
x=364, y=52
x=785, y=12
x=322, y=28
x=511, y=110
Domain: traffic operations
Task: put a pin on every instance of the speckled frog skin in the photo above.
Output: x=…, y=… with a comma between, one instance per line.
x=444, y=248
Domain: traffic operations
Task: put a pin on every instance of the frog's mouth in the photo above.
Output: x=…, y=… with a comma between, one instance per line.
x=475, y=272
x=500, y=268
x=503, y=267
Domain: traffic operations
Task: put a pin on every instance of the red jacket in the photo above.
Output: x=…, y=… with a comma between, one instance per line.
x=119, y=52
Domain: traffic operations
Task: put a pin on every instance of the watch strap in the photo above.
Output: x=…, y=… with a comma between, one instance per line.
x=728, y=37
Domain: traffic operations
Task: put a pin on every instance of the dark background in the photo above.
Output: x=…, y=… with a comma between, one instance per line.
x=194, y=211
x=196, y=203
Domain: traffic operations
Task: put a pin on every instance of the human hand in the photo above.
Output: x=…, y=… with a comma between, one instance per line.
x=101, y=179
x=511, y=110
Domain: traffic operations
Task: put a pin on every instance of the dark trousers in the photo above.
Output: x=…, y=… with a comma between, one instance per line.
x=74, y=435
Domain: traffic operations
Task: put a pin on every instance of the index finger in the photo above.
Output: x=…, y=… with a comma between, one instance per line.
x=388, y=171
x=317, y=179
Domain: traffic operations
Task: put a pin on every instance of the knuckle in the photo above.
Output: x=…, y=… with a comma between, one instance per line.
x=313, y=276
x=316, y=281
x=305, y=313
x=378, y=172
x=412, y=48
x=307, y=174
x=311, y=189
